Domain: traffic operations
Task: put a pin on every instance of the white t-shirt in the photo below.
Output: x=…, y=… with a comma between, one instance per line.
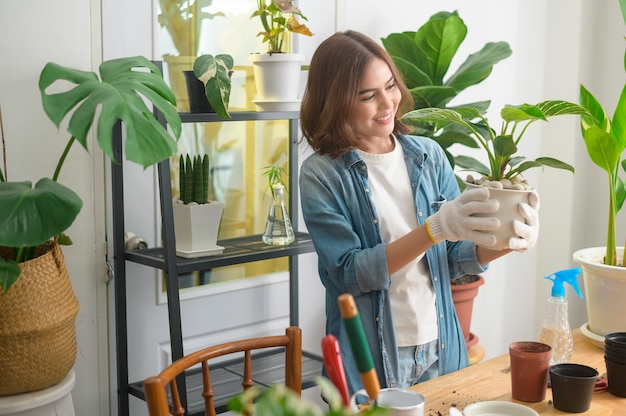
x=412, y=293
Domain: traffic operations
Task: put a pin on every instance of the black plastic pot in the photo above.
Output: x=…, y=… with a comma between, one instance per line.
x=198, y=102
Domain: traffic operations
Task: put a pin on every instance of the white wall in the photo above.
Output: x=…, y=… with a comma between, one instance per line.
x=555, y=44
x=66, y=32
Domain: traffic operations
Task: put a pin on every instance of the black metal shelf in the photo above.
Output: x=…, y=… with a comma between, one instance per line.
x=226, y=378
x=236, y=251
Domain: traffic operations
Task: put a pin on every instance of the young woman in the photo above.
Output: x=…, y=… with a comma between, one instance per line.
x=386, y=216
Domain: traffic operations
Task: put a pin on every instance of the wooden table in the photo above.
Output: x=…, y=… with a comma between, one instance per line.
x=491, y=380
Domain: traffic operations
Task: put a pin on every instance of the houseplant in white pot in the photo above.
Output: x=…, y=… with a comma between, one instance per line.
x=196, y=217
x=604, y=268
x=37, y=304
x=276, y=72
x=503, y=175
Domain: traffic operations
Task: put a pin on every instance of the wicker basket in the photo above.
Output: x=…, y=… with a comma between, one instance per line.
x=37, y=325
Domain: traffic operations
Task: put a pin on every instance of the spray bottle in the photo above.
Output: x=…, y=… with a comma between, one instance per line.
x=555, y=330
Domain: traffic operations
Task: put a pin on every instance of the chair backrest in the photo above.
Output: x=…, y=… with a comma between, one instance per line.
x=155, y=388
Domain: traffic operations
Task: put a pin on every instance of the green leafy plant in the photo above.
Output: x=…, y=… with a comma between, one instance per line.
x=274, y=175
x=183, y=21
x=280, y=400
x=193, y=178
x=215, y=73
x=278, y=18
x=500, y=147
x=605, y=139
x=30, y=216
x=423, y=57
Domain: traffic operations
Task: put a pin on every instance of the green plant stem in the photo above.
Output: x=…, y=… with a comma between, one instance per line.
x=610, y=235
x=66, y=151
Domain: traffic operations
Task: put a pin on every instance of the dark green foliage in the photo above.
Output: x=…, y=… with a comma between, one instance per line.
x=194, y=179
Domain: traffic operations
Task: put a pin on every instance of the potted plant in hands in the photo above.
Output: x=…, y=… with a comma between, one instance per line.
x=37, y=304
x=209, y=84
x=196, y=218
x=604, y=268
x=503, y=175
x=183, y=21
x=423, y=58
x=277, y=73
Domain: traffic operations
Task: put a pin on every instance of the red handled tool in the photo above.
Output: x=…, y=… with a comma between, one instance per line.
x=334, y=366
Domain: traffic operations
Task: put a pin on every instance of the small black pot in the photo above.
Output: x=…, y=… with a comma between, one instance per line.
x=198, y=102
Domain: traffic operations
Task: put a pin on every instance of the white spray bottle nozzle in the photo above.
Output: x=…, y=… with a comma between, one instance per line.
x=569, y=276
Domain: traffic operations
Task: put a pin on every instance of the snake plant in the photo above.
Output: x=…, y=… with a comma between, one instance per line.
x=193, y=176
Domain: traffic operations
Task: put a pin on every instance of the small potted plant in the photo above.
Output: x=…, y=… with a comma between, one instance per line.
x=183, y=19
x=504, y=172
x=604, y=268
x=277, y=73
x=196, y=217
x=35, y=287
x=209, y=84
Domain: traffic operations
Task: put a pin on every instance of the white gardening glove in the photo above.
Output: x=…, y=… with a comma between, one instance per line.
x=527, y=232
x=455, y=220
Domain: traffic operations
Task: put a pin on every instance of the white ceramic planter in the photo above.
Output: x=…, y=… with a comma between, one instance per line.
x=605, y=291
x=277, y=79
x=509, y=200
x=196, y=227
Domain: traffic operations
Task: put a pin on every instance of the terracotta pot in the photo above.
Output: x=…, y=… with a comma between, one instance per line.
x=463, y=296
x=530, y=362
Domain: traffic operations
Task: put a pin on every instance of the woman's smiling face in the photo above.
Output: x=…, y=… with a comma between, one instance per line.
x=373, y=117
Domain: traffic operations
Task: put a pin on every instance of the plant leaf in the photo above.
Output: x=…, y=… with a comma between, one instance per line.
x=479, y=65
x=9, y=272
x=119, y=96
x=469, y=163
x=30, y=216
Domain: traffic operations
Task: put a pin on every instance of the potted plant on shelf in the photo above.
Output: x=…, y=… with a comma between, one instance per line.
x=182, y=19
x=196, y=217
x=278, y=228
x=437, y=41
x=503, y=175
x=604, y=268
x=37, y=305
x=277, y=73
x=209, y=84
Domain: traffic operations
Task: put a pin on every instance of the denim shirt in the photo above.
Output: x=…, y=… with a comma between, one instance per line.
x=342, y=221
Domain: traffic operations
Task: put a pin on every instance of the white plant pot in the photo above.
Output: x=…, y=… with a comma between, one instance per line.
x=605, y=291
x=277, y=79
x=196, y=228
x=509, y=200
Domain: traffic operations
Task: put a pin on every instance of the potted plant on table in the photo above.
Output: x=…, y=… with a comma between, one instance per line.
x=183, y=19
x=277, y=73
x=37, y=304
x=604, y=268
x=196, y=217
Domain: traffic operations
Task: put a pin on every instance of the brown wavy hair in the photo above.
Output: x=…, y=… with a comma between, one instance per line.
x=332, y=91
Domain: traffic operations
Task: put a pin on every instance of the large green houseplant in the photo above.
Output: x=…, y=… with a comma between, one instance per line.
x=423, y=57
x=604, y=274
x=37, y=304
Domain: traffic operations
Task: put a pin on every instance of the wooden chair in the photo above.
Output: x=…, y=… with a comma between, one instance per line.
x=155, y=387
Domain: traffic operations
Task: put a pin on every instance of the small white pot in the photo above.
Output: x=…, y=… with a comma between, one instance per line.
x=605, y=290
x=277, y=76
x=509, y=200
x=196, y=228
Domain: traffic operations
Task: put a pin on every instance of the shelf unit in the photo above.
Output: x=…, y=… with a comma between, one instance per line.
x=237, y=251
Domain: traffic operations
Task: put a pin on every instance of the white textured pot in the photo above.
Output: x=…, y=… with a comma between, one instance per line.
x=509, y=200
x=605, y=290
x=277, y=77
x=196, y=227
